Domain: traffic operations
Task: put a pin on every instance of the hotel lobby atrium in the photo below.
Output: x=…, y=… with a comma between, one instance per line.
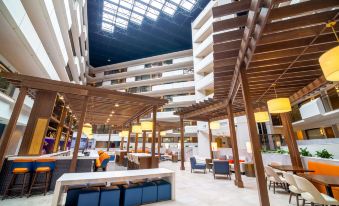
x=169, y=102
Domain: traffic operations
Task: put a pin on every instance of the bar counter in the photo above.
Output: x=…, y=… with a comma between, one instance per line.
x=140, y=161
x=62, y=164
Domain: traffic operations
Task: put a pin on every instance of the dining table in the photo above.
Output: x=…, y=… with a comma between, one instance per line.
x=327, y=180
x=291, y=168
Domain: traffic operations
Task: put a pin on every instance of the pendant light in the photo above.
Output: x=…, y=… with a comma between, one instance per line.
x=123, y=133
x=278, y=105
x=329, y=61
x=146, y=126
x=215, y=125
x=136, y=129
x=163, y=133
x=261, y=117
x=87, y=129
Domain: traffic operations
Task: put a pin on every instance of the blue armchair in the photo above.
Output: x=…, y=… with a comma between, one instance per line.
x=221, y=167
x=195, y=165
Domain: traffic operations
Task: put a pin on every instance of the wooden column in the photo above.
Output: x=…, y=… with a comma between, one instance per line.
x=6, y=137
x=68, y=133
x=259, y=167
x=238, y=180
x=73, y=165
x=210, y=138
x=144, y=141
x=129, y=137
x=38, y=122
x=159, y=144
x=182, y=146
x=154, y=130
x=291, y=140
x=109, y=138
x=122, y=143
x=59, y=129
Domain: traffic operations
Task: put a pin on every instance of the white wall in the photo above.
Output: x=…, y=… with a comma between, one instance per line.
x=243, y=134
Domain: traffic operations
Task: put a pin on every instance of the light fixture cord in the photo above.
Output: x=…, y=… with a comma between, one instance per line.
x=335, y=33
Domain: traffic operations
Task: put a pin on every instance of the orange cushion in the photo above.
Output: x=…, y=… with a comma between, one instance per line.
x=103, y=156
x=232, y=161
x=97, y=163
x=43, y=169
x=20, y=170
x=321, y=168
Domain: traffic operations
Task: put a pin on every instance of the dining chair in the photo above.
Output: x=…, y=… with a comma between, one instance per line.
x=310, y=193
x=274, y=178
x=293, y=187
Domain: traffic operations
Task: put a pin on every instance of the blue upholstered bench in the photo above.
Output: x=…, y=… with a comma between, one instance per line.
x=89, y=196
x=131, y=194
x=73, y=194
x=110, y=196
x=149, y=192
x=164, y=190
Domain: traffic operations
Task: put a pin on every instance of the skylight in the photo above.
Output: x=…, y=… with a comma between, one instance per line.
x=119, y=13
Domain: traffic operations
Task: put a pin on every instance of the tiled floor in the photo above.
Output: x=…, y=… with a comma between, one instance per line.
x=196, y=189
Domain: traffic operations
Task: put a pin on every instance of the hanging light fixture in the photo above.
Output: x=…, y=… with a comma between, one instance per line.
x=124, y=133
x=146, y=126
x=278, y=105
x=136, y=129
x=261, y=116
x=329, y=61
x=215, y=125
x=87, y=129
x=163, y=133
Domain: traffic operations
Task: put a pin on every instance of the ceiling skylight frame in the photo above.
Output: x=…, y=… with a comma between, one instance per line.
x=119, y=13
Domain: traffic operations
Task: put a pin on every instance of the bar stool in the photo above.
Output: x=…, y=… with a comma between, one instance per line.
x=42, y=166
x=19, y=167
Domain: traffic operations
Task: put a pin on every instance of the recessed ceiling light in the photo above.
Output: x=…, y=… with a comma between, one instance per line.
x=116, y=105
x=112, y=112
x=110, y=115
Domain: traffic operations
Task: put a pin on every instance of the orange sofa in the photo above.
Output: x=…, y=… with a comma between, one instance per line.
x=321, y=168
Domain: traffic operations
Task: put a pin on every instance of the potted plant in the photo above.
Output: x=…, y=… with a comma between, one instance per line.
x=304, y=152
x=324, y=154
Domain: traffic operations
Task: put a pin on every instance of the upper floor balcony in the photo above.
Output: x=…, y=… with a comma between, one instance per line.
x=206, y=83
x=205, y=48
x=205, y=65
x=173, y=88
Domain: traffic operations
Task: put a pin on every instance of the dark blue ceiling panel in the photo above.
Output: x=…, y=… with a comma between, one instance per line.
x=166, y=34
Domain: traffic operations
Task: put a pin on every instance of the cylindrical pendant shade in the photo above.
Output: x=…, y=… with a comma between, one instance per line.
x=279, y=105
x=163, y=133
x=123, y=133
x=146, y=126
x=215, y=125
x=329, y=63
x=136, y=128
x=87, y=129
x=261, y=117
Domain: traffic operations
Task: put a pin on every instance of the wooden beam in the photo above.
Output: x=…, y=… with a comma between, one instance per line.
x=144, y=141
x=238, y=180
x=308, y=89
x=59, y=129
x=259, y=166
x=68, y=133
x=129, y=137
x=182, y=146
x=159, y=143
x=154, y=130
x=291, y=140
x=122, y=143
x=210, y=139
x=6, y=137
x=109, y=138
x=74, y=160
x=231, y=8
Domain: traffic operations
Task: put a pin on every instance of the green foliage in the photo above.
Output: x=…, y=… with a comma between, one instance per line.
x=304, y=152
x=324, y=154
x=278, y=151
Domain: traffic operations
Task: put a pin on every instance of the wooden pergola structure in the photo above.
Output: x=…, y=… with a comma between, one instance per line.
x=265, y=49
x=87, y=104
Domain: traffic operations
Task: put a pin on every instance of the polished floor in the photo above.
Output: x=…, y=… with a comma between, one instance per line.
x=191, y=189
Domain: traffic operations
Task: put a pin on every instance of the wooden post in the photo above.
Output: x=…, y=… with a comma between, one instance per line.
x=68, y=133
x=109, y=138
x=154, y=130
x=129, y=137
x=144, y=141
x=210, y=137
x=259, y=167
x=136, y=140
x=59, y=129
x=182, y=146
x=122, y=143
x=73, y=165
x=291, y=140
x=238, y=180
x=6, y=137
x=159, y=143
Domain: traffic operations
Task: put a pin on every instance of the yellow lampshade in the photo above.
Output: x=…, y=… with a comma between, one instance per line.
x=87, y=129
x=329, y=63
x=279, y=105
x=123, y=133
x=163, y=133
x=146, y=126
x=261, y=117
x=215, y=125
x=214, y=146
x=136, y=129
